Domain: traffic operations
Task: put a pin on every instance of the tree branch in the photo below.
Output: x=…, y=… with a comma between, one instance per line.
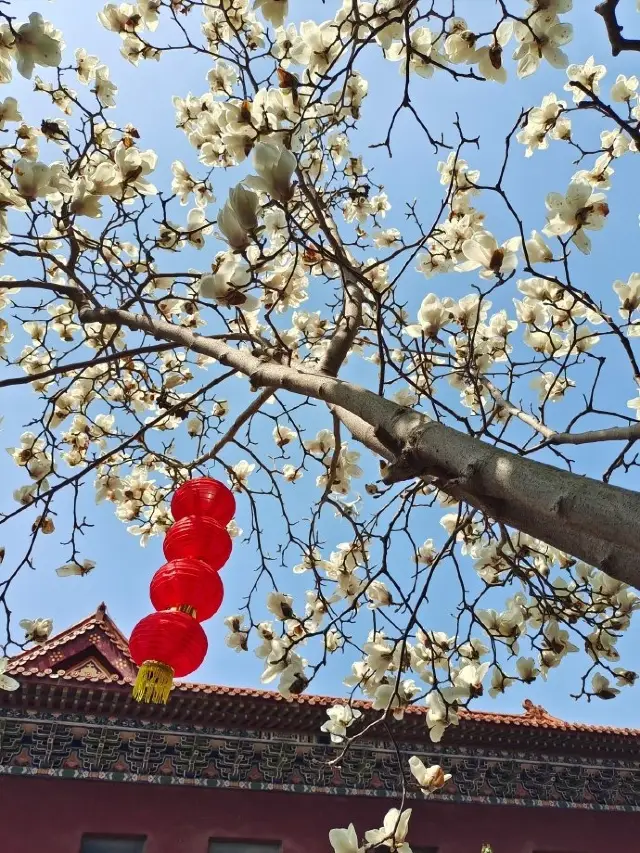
x=80, y=365
x=628, y=433
x=346, y=330
x=599, y=104
x=508, y=407
x=519, y=489
x=231, y=433
x=607, y=11
x=100, y=460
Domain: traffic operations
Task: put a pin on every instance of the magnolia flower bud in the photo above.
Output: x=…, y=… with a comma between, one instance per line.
x=232, y=230
x=275, y=167
x=245, y=206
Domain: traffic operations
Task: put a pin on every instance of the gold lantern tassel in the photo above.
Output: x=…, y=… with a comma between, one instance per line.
x=154, y=682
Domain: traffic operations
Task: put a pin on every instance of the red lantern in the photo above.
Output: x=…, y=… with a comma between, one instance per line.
x=204, y=496
x=185, y=591
x=199, y=538
x=165, y=644
x=187, y=583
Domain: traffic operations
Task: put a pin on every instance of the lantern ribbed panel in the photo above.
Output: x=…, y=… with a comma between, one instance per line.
x=204, y=497
x=199, y=538
x=171, y=638
x=187, y=582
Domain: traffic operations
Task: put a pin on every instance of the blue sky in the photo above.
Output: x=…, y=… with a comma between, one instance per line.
x=124, y=569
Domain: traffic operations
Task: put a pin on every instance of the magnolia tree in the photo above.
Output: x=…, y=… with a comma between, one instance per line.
x=317, y=357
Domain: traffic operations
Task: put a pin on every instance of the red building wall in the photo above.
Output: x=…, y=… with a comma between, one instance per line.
x=50, y=816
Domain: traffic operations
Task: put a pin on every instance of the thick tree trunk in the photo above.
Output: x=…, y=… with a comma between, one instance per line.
x=594, y=521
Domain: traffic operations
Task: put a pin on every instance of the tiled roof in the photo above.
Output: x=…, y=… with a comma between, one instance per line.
x=253, y=707
x=99, y=618
x=60, y=652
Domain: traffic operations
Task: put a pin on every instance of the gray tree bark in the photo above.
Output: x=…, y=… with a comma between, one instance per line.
x=594, y=521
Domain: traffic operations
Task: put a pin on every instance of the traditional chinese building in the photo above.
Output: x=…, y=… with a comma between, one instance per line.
x=85, y=769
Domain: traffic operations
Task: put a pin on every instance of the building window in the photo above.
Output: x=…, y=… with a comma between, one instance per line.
x=112, y=844
x=223, y=846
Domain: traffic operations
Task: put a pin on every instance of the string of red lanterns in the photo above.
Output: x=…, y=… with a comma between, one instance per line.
x=185, y=591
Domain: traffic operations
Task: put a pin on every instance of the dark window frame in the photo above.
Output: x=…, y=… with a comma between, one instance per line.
x=136, y=843
x=243, y=845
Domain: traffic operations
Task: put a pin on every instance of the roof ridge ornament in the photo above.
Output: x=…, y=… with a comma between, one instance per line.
x=537, y=712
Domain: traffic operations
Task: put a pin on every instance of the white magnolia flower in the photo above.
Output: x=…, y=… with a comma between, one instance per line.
x=320, y=46
x=345, y=840
x=625, y=677
x=105, y=90
x=134, y=166
x=489, y=57
x=6, y=682
x=228, y=284
x=540, y=38
x=615, y=142
x=291, y=473
x=482, y=250
x=603, y=688
x=237, y=637
x=37, y=630
x=387, y=238
x=431, y=778
x=148, y=10
x=280, y=605
x=624, y=89
x=433, y=315
x=556, y=645
x=467, y=683
x=439, y=716
x=333, y=641
x=283, y=435
x=275, y=167
x=527, y=670
x=378, y=595
x=499, y=682
x=86, y=65
x=239, y=217
x=293, y=680
x=422, y=49
x=340, y=718
x=33, y=178
x=78, y=569
x=426, y=553
x=629, y=295
x=460, y=45
x=551, y=387
x=122, y=19
x=275, y=11
x=589, y=75
x=393, y=832
x=599, y=176
x=32, y=455
x=322, y=444
x=537, y=249
x=35, y=45
x=580, y=209
x=233, y=530
x=543, y=122
x=9, y=111
x=396, y=697
x=241, y=471
x=83, y=202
